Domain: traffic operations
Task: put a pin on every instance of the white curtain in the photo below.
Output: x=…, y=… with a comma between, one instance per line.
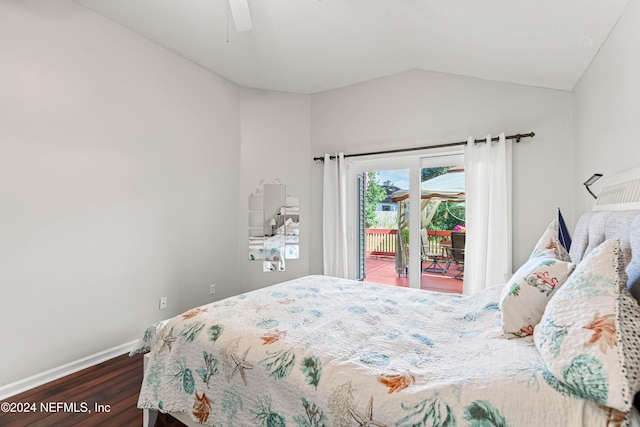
x=334, y=216
x=488, y=198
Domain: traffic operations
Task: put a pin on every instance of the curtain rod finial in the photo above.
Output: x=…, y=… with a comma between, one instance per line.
x=519, y=136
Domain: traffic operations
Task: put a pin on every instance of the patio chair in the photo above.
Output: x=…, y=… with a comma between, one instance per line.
x=434, y=258
x=456, y=253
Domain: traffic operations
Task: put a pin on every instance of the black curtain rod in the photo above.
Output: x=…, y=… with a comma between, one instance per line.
x=517, y=137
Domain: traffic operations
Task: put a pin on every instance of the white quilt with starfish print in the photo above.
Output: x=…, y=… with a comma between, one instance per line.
x=323, y=351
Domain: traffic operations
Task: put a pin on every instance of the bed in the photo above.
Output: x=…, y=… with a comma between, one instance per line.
x=325, y=351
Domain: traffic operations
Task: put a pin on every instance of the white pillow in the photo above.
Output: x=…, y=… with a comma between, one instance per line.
x=549, y=241
x=525, y=296
x=589, y=335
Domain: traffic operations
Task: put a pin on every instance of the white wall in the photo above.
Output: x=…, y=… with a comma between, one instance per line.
x=119, y=173
x=606, y=108
x=418, y=108
x=274, y=146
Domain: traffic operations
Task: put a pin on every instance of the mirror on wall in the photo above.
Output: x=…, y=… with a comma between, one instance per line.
x=274, y=227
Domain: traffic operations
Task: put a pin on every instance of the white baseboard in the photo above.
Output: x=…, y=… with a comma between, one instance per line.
x=23, y=385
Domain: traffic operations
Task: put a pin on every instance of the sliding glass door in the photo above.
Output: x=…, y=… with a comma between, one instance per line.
x=388, y=227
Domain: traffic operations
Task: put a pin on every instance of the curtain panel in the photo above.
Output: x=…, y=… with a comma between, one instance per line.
x=488, y=198
x=334, y=216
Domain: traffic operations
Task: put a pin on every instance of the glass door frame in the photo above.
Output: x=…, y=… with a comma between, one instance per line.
x=414, y=163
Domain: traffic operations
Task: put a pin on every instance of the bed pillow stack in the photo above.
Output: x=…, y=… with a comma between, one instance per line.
x=526, y=295
x=589, y=335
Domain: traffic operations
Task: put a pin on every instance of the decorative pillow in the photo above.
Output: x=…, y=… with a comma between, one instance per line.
x=549, y=241
x=589, y=335
x=526, y=295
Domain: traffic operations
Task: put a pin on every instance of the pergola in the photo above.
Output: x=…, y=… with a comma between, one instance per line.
x=448, y=187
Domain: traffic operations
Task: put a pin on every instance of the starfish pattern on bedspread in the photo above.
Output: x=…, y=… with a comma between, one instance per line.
x=241, y=365
x=168, y=340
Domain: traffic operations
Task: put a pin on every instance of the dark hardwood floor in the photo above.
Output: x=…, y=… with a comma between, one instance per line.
x=102, y=395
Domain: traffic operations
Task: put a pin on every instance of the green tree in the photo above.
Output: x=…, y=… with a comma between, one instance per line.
x=374, y=194
x=428, y=173
x=447, y=216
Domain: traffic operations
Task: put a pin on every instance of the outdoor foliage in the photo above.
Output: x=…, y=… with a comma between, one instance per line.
x=448, y=216
x=429, y=173
x=374, y=195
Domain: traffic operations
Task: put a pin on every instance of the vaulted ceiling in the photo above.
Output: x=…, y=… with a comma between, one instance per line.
x=308, y=46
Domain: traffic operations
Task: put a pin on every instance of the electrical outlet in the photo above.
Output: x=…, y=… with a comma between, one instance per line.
x=212, y=289
x=163, y=303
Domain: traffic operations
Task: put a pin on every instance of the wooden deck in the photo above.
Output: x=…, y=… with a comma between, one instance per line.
x=383, y=270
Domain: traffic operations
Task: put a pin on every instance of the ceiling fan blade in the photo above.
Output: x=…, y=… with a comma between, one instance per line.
x=241, y=15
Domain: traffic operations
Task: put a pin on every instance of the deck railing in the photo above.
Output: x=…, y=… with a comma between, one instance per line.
x=382, y=241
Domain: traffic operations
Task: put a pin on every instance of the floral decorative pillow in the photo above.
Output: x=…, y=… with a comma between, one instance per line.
x=549, y=241
x=589, y=335
x=526, y=295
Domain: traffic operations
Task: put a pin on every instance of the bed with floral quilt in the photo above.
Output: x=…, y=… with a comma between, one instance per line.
x=323, y=351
